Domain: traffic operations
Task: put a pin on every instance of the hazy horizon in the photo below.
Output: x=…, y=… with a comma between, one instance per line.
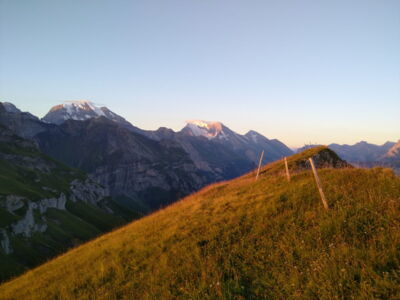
x=301, y=72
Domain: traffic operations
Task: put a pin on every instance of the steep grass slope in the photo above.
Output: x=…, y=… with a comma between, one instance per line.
x=245, y=239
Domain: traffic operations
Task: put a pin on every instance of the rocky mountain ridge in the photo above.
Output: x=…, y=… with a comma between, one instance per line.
x=213, y=147
x=23, y=124
x=249, y=145
x=363, y=154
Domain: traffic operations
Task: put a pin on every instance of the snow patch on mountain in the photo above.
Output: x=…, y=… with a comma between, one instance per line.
x=80, y=110
x=74, y=109
x=210, y=130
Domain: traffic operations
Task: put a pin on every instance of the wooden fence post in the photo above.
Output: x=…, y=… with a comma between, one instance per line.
x=259, y=164
x=287, y=170
x=321, y=192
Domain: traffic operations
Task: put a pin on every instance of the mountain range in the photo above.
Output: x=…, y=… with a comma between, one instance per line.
x=218, y=142
x=217, y=134
x=142, y=168
x=147, y=169
x=82, y=170
x=363, y=154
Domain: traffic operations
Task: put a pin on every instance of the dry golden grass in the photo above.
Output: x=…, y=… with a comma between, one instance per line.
x=244, y=239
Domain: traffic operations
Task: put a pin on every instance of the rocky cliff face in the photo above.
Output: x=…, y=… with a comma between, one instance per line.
x=33, y=219
x=45, y=207
x=392, y=158
x=394, y=150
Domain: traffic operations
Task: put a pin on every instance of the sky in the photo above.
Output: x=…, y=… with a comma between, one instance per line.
x=301, y=71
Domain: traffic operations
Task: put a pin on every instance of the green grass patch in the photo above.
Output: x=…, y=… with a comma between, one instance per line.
x=6, y=218
x=72, y=225
x=93, y=215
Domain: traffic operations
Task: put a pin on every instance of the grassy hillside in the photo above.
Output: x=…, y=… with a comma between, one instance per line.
x=244, y=239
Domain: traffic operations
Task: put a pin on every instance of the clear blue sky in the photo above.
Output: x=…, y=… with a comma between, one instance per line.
x=301, y=71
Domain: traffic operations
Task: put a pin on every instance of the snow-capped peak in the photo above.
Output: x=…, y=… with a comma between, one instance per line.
x=79, y=110
x=82, y=110
x=207, y=129
x=73, y=106
x=205, y=124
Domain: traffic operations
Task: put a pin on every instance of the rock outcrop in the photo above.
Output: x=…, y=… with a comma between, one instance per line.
x=34, y=219
x=5, y=242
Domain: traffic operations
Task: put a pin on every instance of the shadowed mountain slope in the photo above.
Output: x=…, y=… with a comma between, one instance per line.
x=215, y=148
x=362, y=153
x=45, y=206
x=21, y=123
x=150, y=173
x=245, y=239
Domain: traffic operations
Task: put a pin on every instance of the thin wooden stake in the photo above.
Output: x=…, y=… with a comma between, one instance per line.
x=287, y=170
x=321, y=192
x=259, y=164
